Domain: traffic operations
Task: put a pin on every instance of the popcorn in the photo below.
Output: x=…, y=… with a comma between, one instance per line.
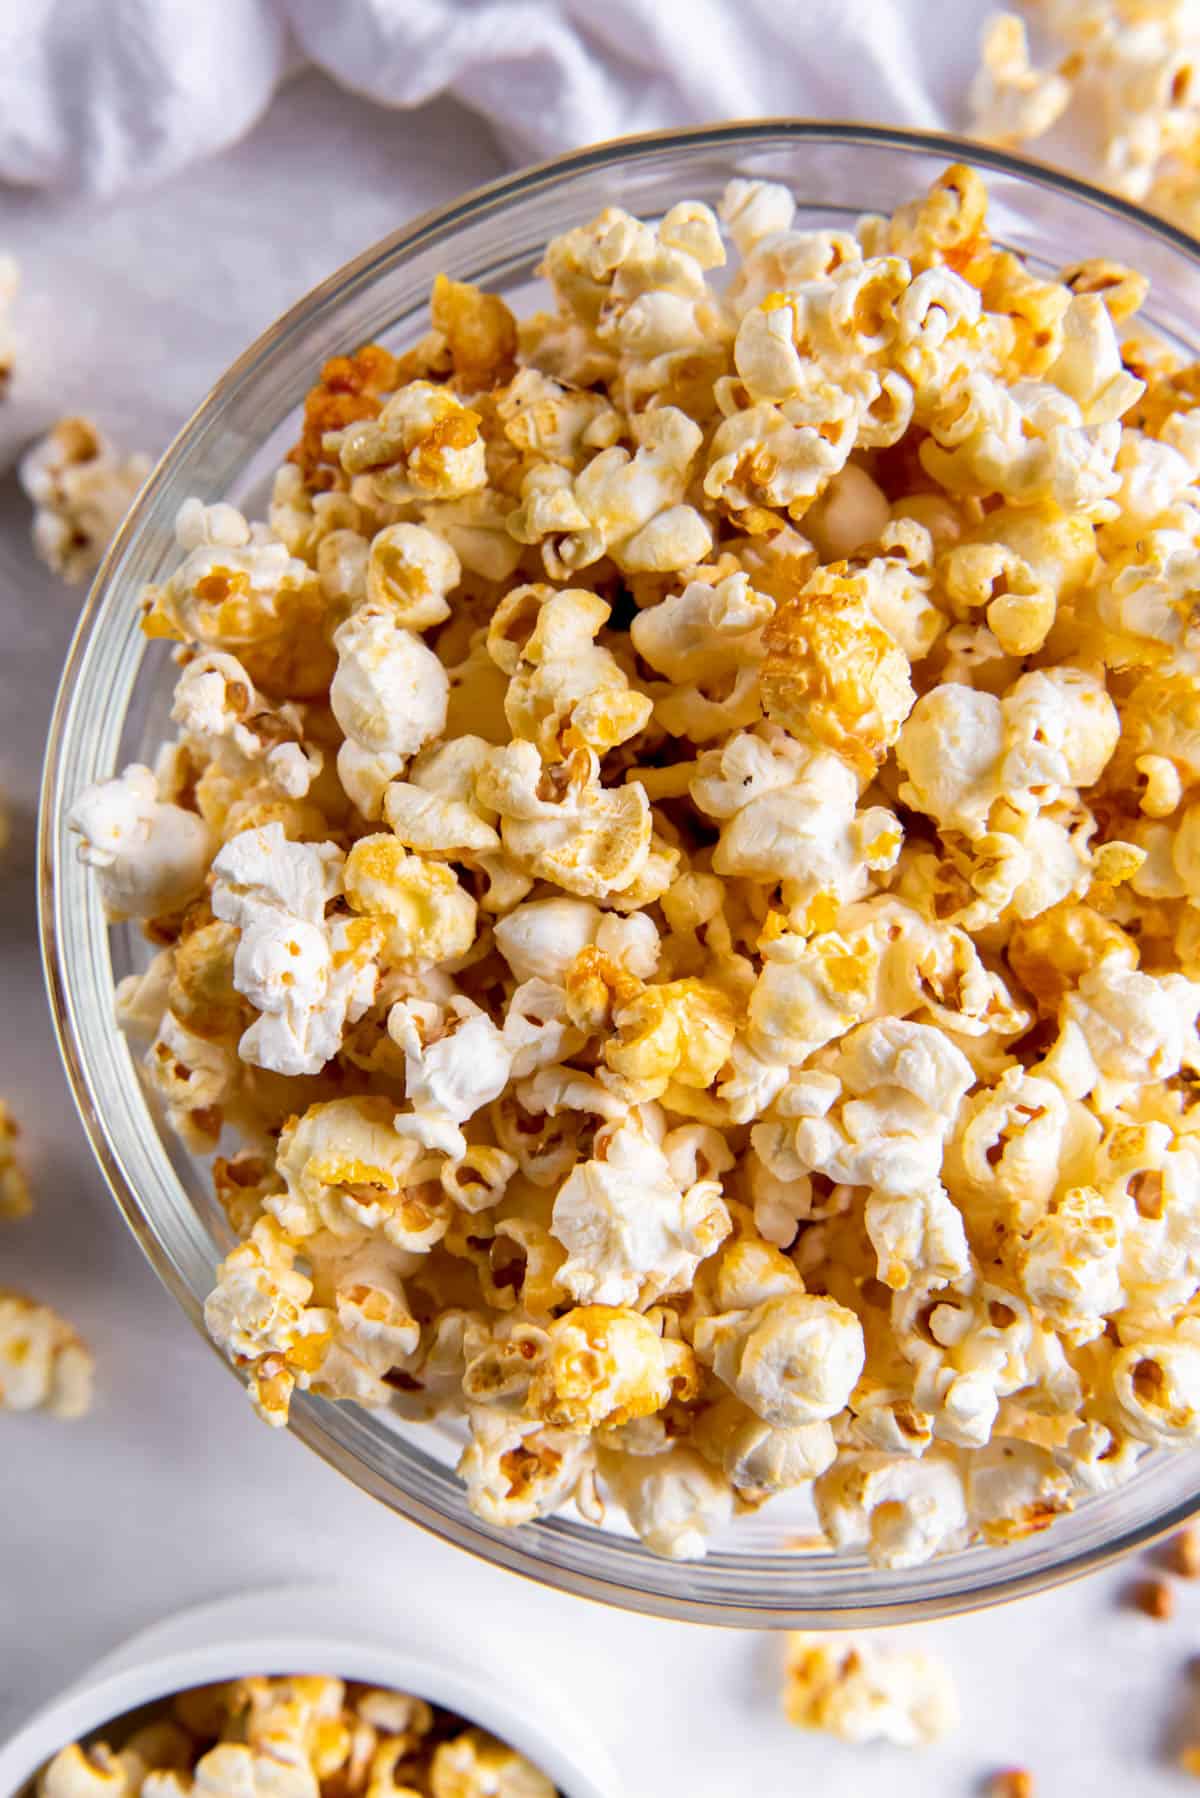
x=424, y=444
x=835, y=676
x=9, y=280
x=476, y=1765
x=426, y=914
x=792, y=1360
x=516, y=1469
x=862, y=1689
x=298, y=1736
x=674, y=1501
x=629, y=507
x=897, y=1510
x=607, y=1366
x=677, y=867
x=1010, y=100
x=562, y=825
x=455, y=1062
x=15, y=1198
x=240, y=591
x=81, y=490
x=389, y=695
x=43, y=1363
x=563, y=691
x=306, y=976
x=150, y=857
x=631, y=1234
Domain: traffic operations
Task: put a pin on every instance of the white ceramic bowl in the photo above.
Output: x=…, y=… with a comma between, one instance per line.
x=311, y=1631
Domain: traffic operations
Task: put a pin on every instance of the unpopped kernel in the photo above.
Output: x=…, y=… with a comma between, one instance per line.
x=678, y=870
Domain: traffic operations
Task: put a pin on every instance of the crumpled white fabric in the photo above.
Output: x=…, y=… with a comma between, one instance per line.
x=108, y=94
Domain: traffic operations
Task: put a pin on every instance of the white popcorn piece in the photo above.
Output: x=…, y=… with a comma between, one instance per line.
x=564, y=690
x=900, y=1511
x=563, y=825
x=81, y=489
x=631, y=1234
x=865, y=1689
x=793, y=1360
x=151, y=857
x=389, y=695
x=674, y=1501
x=224, y=718
x=307, y=976
x=1011, y=101
x=517, y=1469
x=43, y=1363
x=629, y=507
x=455, y=1062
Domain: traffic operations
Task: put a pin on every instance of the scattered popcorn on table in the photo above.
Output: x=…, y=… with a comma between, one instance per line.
x=675, y=886
x=15, y=1199
x=43, y=1364
x=867, y=1689
x=1126, y=72
x=298, y=1736
x=81, y=488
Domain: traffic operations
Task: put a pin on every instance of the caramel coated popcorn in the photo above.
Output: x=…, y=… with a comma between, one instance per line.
x=303, y=1736
x=678, y=869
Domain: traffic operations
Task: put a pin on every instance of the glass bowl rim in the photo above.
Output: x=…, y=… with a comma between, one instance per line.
x=477, y=204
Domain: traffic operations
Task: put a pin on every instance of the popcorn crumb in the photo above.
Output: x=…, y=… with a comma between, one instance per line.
x=81, y=488
x=864, y=1689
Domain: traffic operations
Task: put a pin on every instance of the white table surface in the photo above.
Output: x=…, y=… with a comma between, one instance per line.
x=171, y=1493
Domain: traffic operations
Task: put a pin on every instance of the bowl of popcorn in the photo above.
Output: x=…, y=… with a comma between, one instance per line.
x=619, y=873
x=187, y=1711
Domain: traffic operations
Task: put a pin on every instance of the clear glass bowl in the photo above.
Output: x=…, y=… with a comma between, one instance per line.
x=112, y=708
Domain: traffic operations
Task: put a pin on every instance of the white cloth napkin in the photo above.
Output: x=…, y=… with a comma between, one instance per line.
x=109, y=94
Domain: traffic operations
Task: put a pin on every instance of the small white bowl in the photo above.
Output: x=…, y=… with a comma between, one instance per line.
x=309, y=1631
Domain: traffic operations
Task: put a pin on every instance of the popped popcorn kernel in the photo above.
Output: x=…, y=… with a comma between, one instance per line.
x=863, y=1689
x=81, y=489
x=43, y=1363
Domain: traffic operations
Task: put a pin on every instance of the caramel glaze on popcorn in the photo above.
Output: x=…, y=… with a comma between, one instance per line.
x=676, y=882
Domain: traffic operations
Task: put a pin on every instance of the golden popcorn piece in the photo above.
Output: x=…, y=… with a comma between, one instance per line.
x=836, y=676
x=480, y=333
x=606, y=1366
